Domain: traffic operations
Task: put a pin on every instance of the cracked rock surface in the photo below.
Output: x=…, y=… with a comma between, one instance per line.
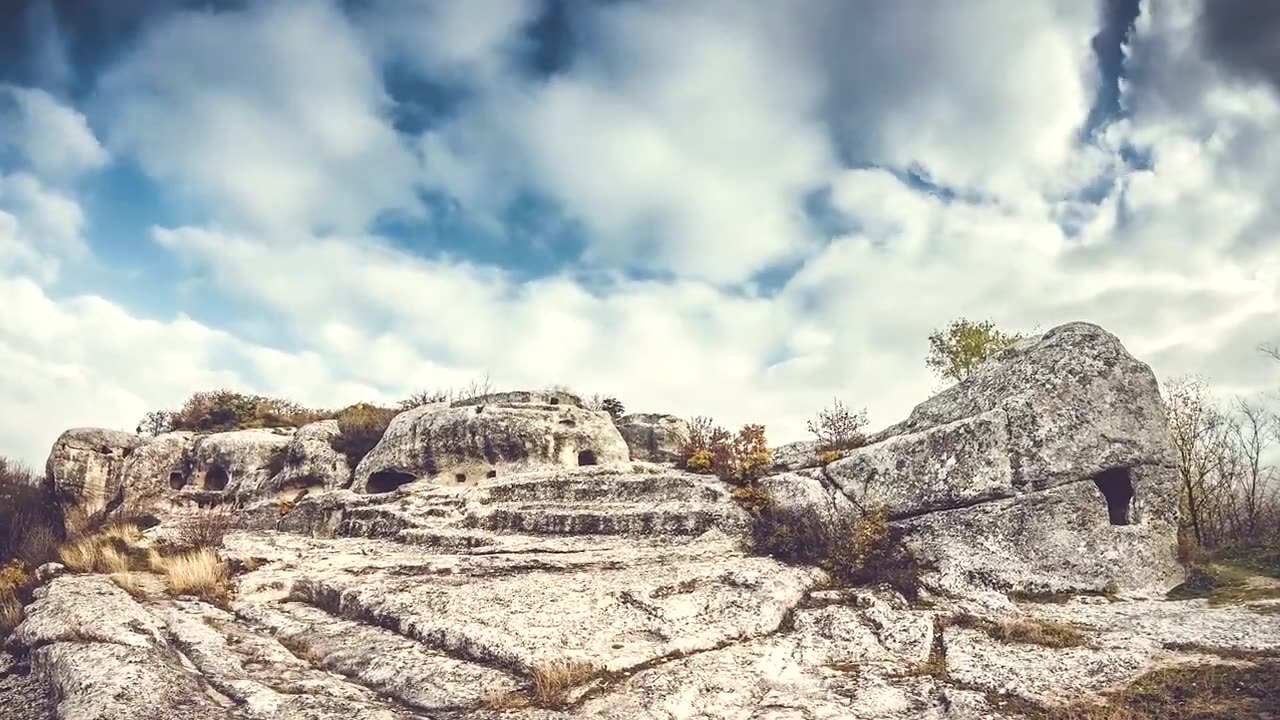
x=418, y=585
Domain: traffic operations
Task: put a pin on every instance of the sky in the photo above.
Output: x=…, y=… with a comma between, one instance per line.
x=723, y=208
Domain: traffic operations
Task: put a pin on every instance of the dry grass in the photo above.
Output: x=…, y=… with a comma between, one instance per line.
x=935, y=666
x=551, y=683
x=1034, y=632
x=204, y=528
x=501, y=700
x=128, y=582
x=1182, y=692
x=553, y=680
x=1227, y=653
x=1269, y=609
x=113, y=549
x=198, y=572
x=845, y=666
x=10, y=613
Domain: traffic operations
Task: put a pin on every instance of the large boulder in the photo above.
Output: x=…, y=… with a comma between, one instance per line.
x=1050, y=468
x=238, y=464
x=654, y=437
x=154, y=472
x=85, y=469
x=487, y=437
x=310, y=462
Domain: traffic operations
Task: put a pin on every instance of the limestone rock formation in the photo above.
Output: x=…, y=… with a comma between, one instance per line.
x=797, y=455
x=487, y=437
x=154, y=472
x=85, y=469
x=653, y=437
x=239, y=464
x=310, y=462
x=1049, y=469
x=636, y=582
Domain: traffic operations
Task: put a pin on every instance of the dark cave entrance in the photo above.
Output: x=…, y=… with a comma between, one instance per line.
x=176, y=481
x=587, y=457
x=388, y=480
x=1116, y=486
x=215, y=479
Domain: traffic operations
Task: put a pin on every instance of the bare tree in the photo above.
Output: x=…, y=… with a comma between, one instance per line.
x=1251, y=434
x=1199, y=435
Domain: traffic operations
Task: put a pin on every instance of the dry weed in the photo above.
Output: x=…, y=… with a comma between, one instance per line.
x=553, y=680
x=198, y=572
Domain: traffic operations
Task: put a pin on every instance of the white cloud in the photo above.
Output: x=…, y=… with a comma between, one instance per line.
x=54, y=139
x=274, y=116
x=39, y=227
x=683, y=138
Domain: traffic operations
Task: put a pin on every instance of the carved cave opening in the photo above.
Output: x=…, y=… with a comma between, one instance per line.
x=587, y=457
x=387, y=480
x=216, y=478
x=176, y=481
x=1116, y=486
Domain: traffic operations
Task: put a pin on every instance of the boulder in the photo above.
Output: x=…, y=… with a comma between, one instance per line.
x=85, y=469
x=1076, y=402
x=1049, y=469
x=487, y=437
x=238, y=464
x=310, y=462
x=653, y=437
x=155, y=472
x=796, y=456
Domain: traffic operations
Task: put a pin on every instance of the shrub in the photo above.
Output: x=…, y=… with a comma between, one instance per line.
x=360, y=427
x=198, y=572
x=855, y=551
x=958, y=350
x=424, y=397
x=826, y=457
x=224, y=410
x=613, y=406
x=474, y=389
x=837, y=429
x=28, y=517
x=156, y=422
x=734, y=458
x=204, y=528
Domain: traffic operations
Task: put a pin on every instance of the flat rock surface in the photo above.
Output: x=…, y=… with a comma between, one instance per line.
x=385, y=627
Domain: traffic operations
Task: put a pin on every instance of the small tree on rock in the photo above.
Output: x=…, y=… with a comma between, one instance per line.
x=838, y=429
x=613, y=406
x=956, y=351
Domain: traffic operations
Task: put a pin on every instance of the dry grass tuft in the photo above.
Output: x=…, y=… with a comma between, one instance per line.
x=10, y=613
x=1034, y=632
x=200, y=573
x=1181, y=692
x=1227, y=653
x=553, y=680
x=500, y=701
x=205, y=528
x=114, y=549
x=128, y=582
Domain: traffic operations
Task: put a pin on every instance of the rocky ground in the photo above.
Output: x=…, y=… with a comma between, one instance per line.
x=520, y=555
x=632, y=580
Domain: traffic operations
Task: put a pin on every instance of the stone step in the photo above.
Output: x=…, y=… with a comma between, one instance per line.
x=390, y=519
x=605, y=485
x=613, y=518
